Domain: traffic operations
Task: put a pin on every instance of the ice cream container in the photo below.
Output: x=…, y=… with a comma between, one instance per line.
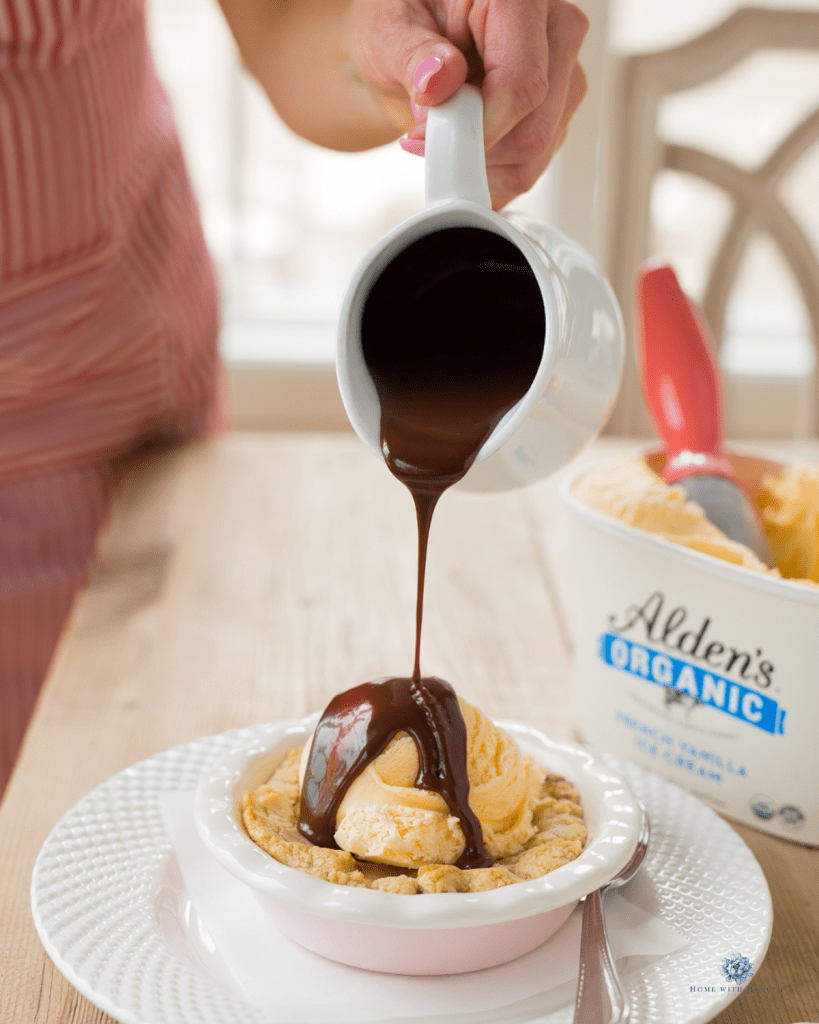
x=700, y=670
x=441, y=933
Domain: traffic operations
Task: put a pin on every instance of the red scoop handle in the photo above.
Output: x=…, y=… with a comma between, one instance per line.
x=680, y=377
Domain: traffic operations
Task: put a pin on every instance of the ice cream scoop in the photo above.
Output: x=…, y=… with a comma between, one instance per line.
x=386, y=817
x=682, y=388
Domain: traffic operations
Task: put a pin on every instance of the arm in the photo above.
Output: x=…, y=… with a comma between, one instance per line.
x=304, y=54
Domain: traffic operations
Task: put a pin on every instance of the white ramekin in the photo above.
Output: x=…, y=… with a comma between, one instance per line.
x=446, y=933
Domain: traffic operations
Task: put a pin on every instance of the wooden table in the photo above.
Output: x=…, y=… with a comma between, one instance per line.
x=248, y=579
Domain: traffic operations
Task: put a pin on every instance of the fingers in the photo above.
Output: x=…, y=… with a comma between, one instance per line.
x=519, y=151
x=509, y=178
x=415, y=140
x=510, y=175
x=513, y=41
x=533, y=132
x=416, y=53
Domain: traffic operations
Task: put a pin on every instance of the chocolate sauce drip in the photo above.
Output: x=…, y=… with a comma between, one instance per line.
x=452, y=334
x=357, y=726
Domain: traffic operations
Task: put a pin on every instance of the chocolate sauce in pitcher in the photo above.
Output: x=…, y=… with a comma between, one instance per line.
x=452, y=334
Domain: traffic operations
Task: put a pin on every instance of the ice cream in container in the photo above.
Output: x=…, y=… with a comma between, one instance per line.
x=696, y=667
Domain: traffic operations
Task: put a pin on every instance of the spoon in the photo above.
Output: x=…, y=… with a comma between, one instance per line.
x=600, y=996
x=682, y=387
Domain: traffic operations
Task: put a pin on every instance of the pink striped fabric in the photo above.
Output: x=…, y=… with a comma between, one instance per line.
x=108, y=311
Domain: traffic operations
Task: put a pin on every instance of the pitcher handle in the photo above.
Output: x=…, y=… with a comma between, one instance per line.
x=455, y=160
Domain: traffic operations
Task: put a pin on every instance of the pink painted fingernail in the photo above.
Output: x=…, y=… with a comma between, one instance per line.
x=419, y=113
x=414, y=146
x=427, y=69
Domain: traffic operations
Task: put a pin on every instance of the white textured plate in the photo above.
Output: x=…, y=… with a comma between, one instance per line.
x=100, y=893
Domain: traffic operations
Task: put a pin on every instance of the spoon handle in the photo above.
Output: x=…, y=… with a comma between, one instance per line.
x=600, y=996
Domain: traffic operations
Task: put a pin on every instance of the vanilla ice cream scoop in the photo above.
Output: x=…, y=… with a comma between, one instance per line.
x=384, y=817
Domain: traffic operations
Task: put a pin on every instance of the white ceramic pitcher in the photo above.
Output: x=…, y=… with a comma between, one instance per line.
x=577, y=381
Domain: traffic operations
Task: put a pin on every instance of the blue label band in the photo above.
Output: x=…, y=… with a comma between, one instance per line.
x=705, y=687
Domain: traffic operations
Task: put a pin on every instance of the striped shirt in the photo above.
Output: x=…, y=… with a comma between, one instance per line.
x=108, y=308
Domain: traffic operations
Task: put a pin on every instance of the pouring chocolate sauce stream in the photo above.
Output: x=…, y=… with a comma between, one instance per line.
x=452, y=334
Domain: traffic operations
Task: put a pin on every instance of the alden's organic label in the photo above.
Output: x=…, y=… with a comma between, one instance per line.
x=659, y=645
x=701, y=686
x=674, y=665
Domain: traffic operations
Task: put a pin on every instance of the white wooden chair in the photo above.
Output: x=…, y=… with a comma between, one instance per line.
x=639, y=154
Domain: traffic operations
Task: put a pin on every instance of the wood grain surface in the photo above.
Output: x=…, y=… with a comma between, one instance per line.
x=250, y=578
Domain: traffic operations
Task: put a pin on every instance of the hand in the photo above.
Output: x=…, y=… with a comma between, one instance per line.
x=413, y=54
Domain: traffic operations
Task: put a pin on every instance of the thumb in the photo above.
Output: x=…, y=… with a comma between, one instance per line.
x=406, y=50
x=434, y=72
